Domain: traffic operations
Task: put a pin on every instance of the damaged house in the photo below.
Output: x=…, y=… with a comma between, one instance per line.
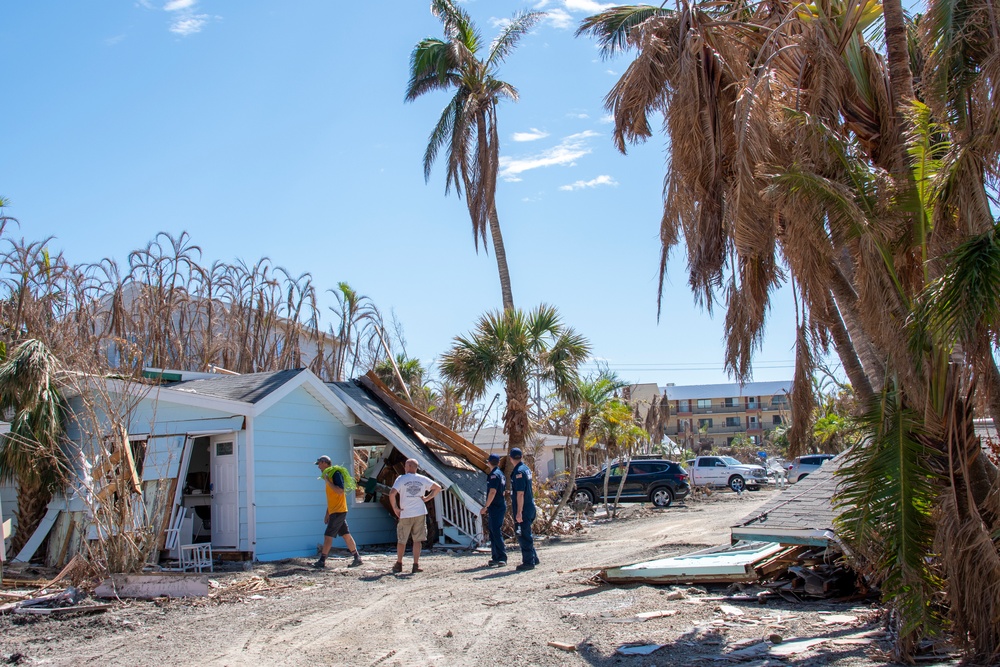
x=228, y=461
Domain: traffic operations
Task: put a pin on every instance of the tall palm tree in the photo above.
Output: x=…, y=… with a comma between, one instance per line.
x=515, y=347
x=796, y=145
x=467, y=128
x=32, y=453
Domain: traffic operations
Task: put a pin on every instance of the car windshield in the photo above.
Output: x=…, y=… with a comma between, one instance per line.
x=730, y=461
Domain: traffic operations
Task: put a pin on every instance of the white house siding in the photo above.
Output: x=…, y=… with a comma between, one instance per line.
x=288, y=438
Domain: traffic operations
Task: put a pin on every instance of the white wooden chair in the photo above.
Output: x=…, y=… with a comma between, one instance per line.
x=197, y=557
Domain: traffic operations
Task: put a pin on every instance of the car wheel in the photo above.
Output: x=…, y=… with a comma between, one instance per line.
x=583, y=496
x=737, y=483
x=802, y=477
x=662, y=497
x=753, y=488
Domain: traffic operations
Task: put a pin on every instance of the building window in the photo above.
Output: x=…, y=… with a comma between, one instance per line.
x=683, y=406
x=776, y=419
x=704, y=403
x=752, y=422
x=733, y=421
x=732, y=402
x=704, y=423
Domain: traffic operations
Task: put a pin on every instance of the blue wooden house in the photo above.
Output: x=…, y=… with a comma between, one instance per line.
x=230, y=460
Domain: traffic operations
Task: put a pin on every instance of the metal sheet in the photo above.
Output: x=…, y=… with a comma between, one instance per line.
x=722, y=564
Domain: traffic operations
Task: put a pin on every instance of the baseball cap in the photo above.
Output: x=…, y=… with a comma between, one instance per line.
x=494, y=458
x=324, y=459
x=515, y=453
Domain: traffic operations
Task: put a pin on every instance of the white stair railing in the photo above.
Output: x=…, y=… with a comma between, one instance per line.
x=457, y=514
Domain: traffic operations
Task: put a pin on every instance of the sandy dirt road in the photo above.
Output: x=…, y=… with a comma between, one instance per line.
x=459, y=612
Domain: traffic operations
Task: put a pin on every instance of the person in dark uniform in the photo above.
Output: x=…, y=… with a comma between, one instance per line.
x=523, y=507
x=496, y=506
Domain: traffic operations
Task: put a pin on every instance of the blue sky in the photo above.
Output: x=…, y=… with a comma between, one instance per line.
x=279, y=130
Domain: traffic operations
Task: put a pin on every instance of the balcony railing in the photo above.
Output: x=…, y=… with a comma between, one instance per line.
x=724, y=409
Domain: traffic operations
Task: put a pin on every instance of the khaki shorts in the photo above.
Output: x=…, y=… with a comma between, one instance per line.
x=414, y=526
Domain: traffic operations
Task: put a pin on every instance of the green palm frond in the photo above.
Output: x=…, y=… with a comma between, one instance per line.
x=613, y=27
x=888, y=488
x=32, y=450
x=510, y=35
x=925, y=145
x=965, y=296
x=432, y=67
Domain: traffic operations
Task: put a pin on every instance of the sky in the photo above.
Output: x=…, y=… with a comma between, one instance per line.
x=279, y=130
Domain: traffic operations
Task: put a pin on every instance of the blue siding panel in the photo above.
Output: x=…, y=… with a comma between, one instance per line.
x=288, y=439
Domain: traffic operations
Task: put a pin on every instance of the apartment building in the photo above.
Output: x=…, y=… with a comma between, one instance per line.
x=715, y=414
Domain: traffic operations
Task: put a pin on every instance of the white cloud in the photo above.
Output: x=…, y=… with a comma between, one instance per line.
x=603, y=179
x=559, y=18
x=560, y=13
x=566, y=153
x=607, y=119
x=111, y=41
x=175, y=5
x=499, y=23
x=578, y=114
x=587, y=6
x=533, y=135
x=189, y=25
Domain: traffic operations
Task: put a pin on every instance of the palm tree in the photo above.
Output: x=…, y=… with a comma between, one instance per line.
x=592, y=396
x=515, y=347
x=467, y=128
x=614, y=426
x=796, y=143
x=31, y=453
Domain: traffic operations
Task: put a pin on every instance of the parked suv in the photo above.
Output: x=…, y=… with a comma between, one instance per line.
x=801, y=467
x=659, y=481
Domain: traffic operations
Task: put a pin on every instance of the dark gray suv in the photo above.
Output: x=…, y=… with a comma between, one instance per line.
x=660, y=482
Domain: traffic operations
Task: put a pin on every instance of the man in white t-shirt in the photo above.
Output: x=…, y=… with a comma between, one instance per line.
x=408, y=500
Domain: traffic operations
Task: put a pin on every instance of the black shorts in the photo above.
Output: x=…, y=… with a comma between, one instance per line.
x=336, y=525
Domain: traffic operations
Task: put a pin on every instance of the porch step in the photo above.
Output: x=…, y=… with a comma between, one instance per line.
x=455, y=536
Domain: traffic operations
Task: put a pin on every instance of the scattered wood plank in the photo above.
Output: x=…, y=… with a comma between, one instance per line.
x=43, y=529
x=78, y=609
x=73, y=564
x=150, y=586
x=563, y=646
x=646, y=615
x=425, y=425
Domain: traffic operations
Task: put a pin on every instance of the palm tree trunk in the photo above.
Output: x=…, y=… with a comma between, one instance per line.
x=621, y=484
x=501, y=255
x=568, y=491
x=900, y=78
x=848, y=354
x=515, y=417
x=32, y=503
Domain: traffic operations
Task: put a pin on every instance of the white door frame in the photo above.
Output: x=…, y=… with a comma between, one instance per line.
x=218, y=520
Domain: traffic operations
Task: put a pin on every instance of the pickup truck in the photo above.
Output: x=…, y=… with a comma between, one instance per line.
x=726, y=471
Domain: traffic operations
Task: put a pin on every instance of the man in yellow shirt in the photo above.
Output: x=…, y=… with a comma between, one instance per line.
x=337, y=481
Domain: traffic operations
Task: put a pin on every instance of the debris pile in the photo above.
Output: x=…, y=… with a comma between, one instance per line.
x=809, y=572
x=44, y=597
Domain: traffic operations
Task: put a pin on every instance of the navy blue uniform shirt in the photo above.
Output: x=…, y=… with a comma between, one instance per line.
x=520, y=480
x=496, y=481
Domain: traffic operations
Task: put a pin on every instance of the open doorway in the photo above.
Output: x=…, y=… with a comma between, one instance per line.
x=211, y=491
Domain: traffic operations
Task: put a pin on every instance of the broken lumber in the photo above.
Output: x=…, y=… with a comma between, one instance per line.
x=563, y=646
x=153, y=585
